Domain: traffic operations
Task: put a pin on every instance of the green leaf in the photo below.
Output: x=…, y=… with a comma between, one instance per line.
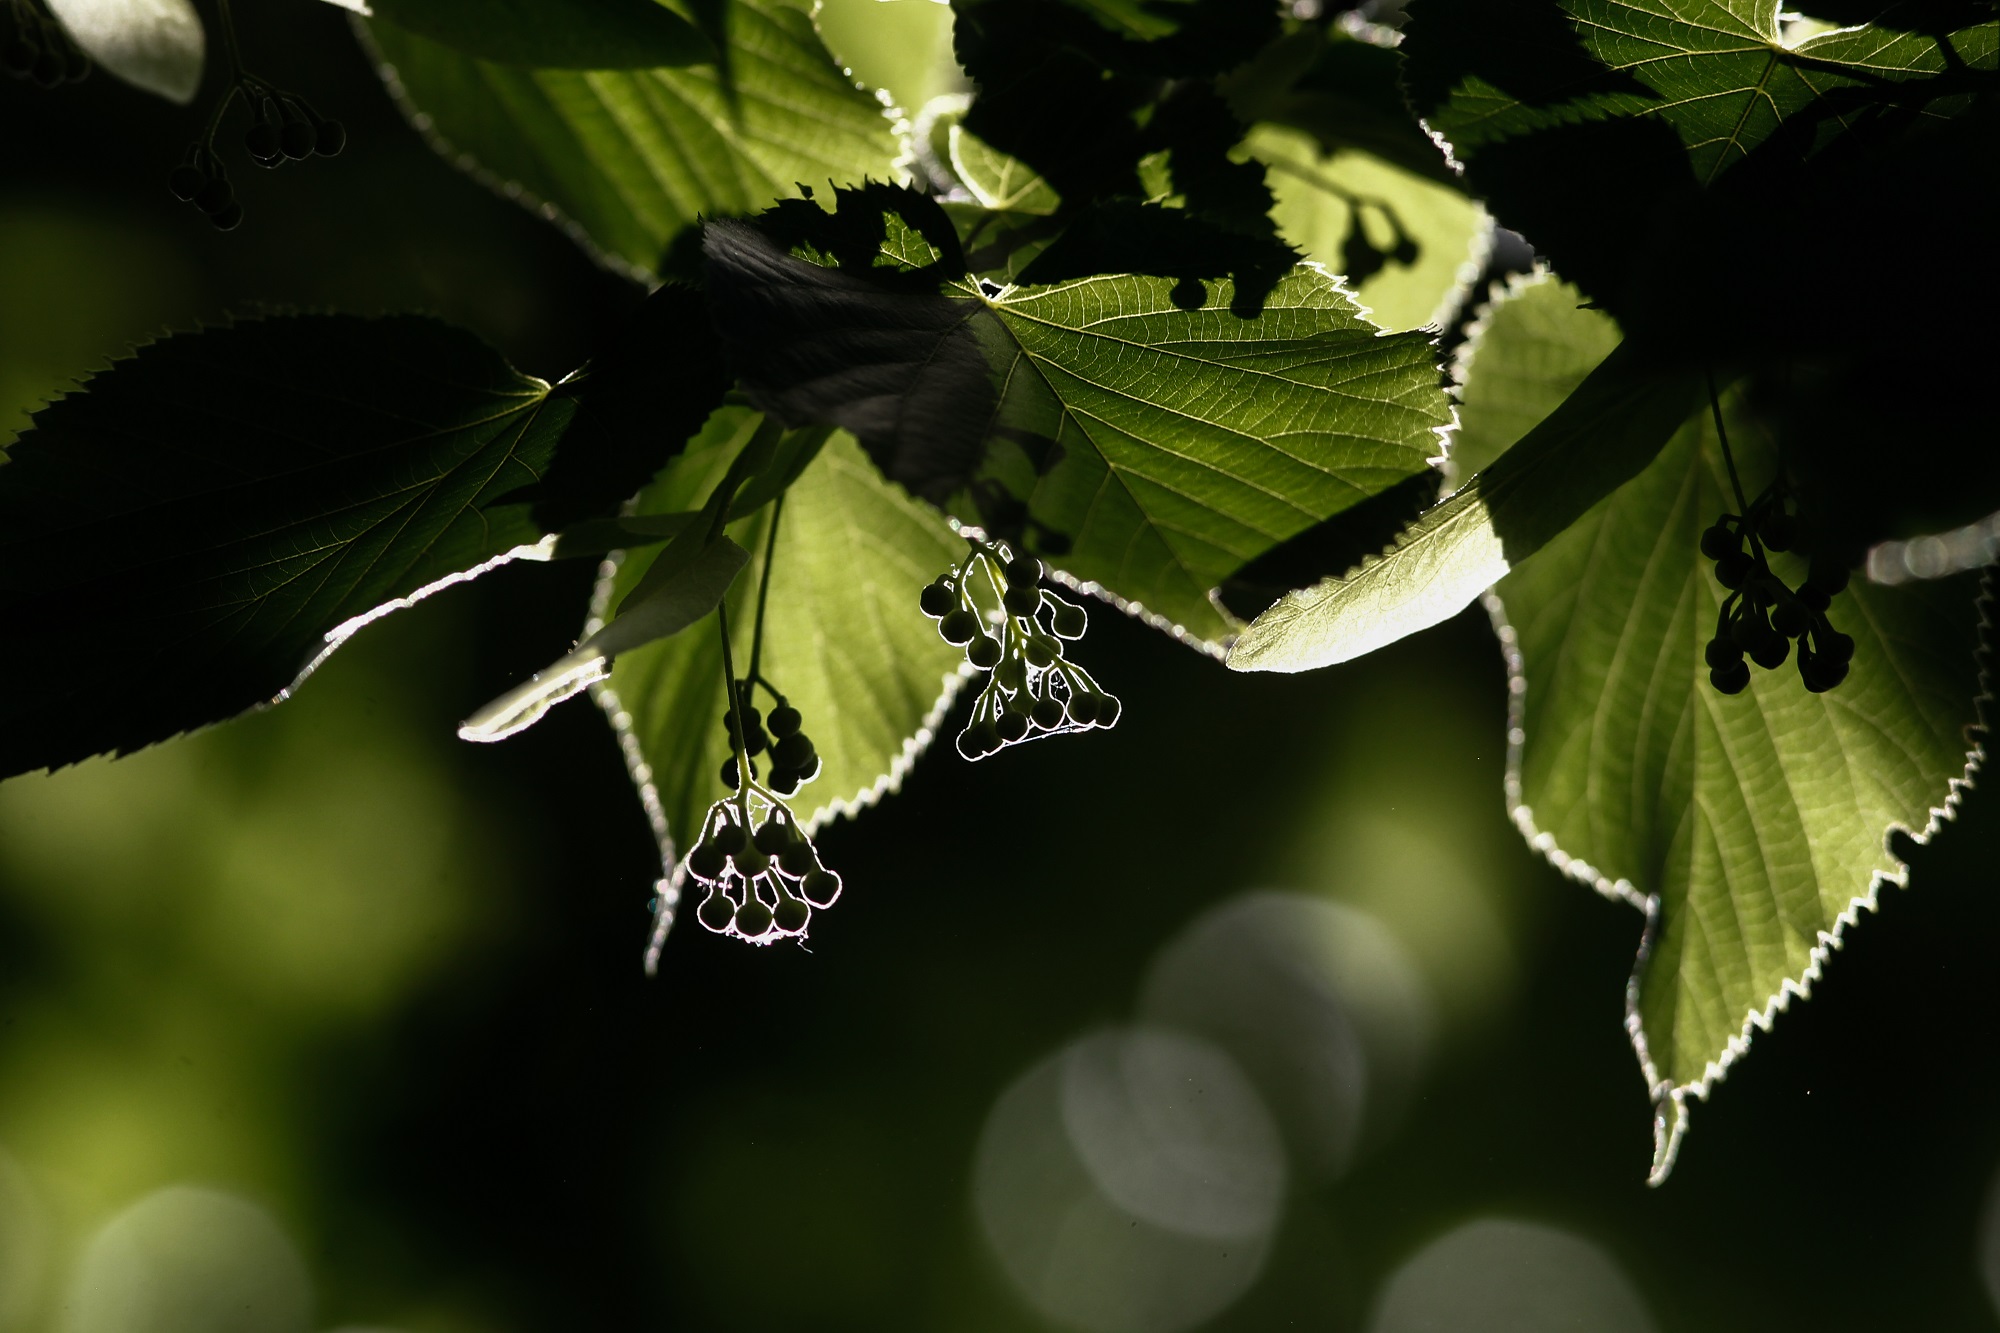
x=1149, y=446
x=902, y=47
x=843, y=638
x=198, y=525
x=1656, y=149
x=628, y=159
x=555, y=34
x=1598, y=437
x=1543, y=346
x=1752, y=829
x=998, y=182
x=1408, y=245
x=1344, y=92
x=157, y=45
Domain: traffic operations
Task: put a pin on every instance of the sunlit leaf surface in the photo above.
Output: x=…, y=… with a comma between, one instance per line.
x=1755, y=825
x=631, y=157
x=1160, y=435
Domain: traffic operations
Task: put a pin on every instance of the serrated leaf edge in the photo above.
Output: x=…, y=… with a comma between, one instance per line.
x=336, y=638
x=1498, y=293
x=1179, y=633
x=1670, y=1101
x=420, y=121
x=426, y=128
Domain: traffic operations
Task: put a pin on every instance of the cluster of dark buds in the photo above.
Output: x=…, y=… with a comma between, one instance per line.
x=1033, y=690
x=761, y=873
x=286, y=129
x=793, y=760
x=201, y=181
x=35, y=46
x=1763, y=614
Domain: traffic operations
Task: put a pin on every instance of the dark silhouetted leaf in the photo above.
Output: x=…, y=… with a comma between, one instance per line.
x=638, y=401
x=1657, y=152
x=185, y=534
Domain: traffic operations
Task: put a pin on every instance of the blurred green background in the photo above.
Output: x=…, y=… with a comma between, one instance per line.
x=1252, y=1014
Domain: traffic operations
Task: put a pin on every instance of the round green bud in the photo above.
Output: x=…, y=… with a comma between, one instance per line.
x=1108, y=709
x=1011, y=726
x=729, y=838
x=979, y=740
x=214, y=196
x=1822, y=675
x=983, y=652
x=229, y=219
x=1772, y=652
x=774, y=837
x=731, y=778
x=1022, y=599
x=1750, y=628
x=1790, y=619
x=755, y=718
x=1069, y=622
x=792, y=915
x=751, y=859
x=1041, y=652
x=329, y=138
x=1719, y=541
x=1722, y=652
x=185, y=182
x=1083, y=709
x=959, y=627
x=1814, y=598
x=297, y=140
x=1024, y=571
x=716, y=911
x=1733, y=570
x=1834, y=646
x=1730, y=679
x=261, y=141
x=797, y=859
x=706, y=861
x=1047, y=713
x=938, y=600
x=784, y=781
x=795, y=751
x=786, y=721
x=820, y=887
x=753, y=919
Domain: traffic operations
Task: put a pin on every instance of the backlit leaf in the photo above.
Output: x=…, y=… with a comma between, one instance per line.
x=1150, y=436
x=628, y=158
x=843, y=638
x=1753, y=828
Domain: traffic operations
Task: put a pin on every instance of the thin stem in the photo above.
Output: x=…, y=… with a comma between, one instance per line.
x=229, y=46
x=1722, y=434
x=736, y=706
x=764, y=591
